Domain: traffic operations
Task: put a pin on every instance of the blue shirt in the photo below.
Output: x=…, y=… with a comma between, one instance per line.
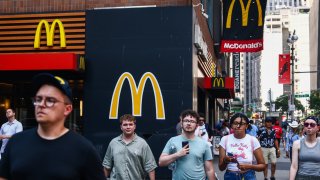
x=254, y=130
x=191, y=166
x=9, y=128
x=291, y=137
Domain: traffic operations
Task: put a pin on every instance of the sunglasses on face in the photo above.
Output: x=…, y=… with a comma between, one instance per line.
x=311, y=124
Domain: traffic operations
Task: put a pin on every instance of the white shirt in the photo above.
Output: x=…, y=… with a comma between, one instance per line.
x=9, y=128
x=240, y=148
x=202, y=132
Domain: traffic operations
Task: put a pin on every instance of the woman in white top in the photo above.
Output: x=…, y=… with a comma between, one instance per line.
x=238, y=151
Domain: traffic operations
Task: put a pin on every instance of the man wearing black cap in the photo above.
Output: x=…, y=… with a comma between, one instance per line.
x=270, y=147
x=50, y=151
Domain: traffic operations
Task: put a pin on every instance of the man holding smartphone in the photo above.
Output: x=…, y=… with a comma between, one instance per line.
x=193, y=157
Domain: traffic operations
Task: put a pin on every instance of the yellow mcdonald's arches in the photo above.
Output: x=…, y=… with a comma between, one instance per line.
x=82, y=65
x=50, y=33
x=218, y=81
x=245, y=13
x=136, y=95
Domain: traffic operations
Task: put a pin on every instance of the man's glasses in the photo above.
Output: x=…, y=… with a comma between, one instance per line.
x=239, y=124
x=48, y=101
x=189, y=121
x=311, y=124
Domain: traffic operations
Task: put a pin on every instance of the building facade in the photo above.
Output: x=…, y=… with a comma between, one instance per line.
x=149, y=59
x=274, y=5
x=279, y=23
x=273, y=46
x=314, y=45
x=252, y=94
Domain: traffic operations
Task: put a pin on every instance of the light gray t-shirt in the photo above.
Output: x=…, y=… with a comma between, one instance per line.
x=309, y=159
x=191, y=166
x=9, y=128
x=129, y=161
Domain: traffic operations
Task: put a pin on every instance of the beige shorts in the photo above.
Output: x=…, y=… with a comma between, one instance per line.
x=269, y=154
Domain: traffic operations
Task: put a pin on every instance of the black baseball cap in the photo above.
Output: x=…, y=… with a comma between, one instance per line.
x=58, y=82
x=268, y=119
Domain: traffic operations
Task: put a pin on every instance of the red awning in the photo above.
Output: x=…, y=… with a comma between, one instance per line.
x=38, y=61
x=218, y=87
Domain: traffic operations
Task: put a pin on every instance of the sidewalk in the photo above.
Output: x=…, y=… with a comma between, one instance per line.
x=282, y=170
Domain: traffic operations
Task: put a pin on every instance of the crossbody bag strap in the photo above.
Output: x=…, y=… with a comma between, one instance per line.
x=254, y=160
x=226, y=141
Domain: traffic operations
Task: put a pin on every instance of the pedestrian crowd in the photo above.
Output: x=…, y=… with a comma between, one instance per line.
x=52, y=151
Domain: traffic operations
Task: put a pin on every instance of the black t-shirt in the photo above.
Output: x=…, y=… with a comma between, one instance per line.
x=69, y=157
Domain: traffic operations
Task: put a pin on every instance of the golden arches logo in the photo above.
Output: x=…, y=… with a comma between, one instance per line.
x=244, y=12
x=217, y=82
x=82, y=65
x=50, y=33
x=136, y=95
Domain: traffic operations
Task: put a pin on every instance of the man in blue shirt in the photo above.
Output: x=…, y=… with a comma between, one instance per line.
x=9, y=128
x=292, y=136
x=253, y=130
x=192, y=155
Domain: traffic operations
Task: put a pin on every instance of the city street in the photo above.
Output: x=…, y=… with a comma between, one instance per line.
x=282, y=171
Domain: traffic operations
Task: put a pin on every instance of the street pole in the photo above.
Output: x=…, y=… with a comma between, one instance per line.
x=292, y=81
x=291, y=41
x=270, y=100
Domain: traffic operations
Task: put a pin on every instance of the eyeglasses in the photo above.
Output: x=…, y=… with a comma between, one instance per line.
x=239, y=124
x=189, y=121
x=48, y=101
x=311, y=124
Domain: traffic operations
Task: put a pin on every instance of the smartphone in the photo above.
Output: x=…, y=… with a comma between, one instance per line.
x=184, y=143
x=233, y=158
x=230, y=154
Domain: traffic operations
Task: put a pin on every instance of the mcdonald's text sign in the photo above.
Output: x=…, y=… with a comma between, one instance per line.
x=136, y=95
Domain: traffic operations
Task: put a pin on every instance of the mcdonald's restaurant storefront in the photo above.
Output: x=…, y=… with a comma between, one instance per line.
x=134, y=60
x=34, y=43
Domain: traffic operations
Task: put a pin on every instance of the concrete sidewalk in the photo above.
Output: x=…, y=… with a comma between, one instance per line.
x=282, y=170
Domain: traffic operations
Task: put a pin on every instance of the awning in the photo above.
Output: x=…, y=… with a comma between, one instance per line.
x=41, y=61
x=218, y=87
